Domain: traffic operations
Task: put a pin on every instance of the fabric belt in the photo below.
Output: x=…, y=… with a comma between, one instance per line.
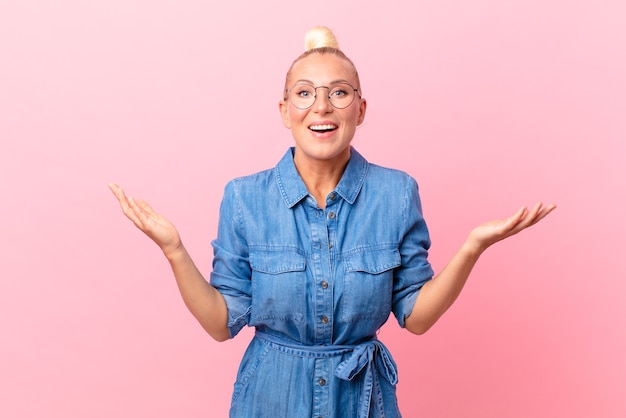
x=369, y=357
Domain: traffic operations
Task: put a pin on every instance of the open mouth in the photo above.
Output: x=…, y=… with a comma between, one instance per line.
x=323, y=128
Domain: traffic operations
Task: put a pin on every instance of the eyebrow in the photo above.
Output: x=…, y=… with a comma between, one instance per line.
x=302, y=81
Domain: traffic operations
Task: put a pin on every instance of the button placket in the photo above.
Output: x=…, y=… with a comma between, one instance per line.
x=323, y=308
x=321, y=391
x=331, y=216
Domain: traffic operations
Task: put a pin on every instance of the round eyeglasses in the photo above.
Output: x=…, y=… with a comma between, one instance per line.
x=340, y=95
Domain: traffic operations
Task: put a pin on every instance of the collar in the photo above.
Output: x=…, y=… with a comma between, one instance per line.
x=292, y=187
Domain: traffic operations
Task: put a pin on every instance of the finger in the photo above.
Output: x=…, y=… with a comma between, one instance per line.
x=535, y=211
x=121, y=197
x=126, y=203
x=538, y=213
x=147, y=216
x=545, y=210
x=134, y=216
x=516, y=218
x=138, y=211
x=142, y=208
x=119, y=193
x=527, y=219
x=115, y=189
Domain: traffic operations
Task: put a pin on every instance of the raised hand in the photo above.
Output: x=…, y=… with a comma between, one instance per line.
x=440, y=293
x=202, y=299
x=491, y=232
x=155, y=226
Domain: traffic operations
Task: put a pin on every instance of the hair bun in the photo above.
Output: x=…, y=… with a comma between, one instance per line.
x=320, y=37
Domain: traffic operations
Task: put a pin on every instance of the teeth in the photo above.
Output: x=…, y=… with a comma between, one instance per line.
x=322, y=127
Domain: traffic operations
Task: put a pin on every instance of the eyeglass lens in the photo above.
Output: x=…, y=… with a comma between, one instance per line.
x=340, y=95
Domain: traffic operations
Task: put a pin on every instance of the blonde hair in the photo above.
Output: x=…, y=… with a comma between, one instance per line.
x=321, y=40
x=320, y=37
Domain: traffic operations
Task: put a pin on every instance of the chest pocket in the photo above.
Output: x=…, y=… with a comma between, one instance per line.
x=368, y=285
x=278, y=286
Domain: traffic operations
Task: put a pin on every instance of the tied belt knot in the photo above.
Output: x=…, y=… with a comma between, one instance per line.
x=370, y=357
x=376, y=359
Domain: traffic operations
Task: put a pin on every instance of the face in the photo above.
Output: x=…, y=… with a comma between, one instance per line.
x=322, y=133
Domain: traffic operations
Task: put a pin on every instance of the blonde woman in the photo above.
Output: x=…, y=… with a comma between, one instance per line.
x=315, y=253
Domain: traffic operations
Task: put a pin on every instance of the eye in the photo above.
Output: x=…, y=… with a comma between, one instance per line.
x=303, y=91
x=339, y=93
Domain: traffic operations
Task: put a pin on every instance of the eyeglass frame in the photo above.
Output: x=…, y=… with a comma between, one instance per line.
x=288, y=91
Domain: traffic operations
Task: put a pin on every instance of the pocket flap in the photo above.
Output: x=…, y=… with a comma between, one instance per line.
x=374, y=261
x=276, y=262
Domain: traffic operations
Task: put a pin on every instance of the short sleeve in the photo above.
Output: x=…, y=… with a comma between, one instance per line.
x=415, y=269
x=231, y=267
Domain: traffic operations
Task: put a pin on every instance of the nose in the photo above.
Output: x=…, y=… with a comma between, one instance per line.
x=322, y=101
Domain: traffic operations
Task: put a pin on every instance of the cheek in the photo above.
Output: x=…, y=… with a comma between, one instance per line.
x=354, y=117
x=295, y=116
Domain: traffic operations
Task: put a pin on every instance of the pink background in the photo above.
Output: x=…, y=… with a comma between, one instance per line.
x=489, y=104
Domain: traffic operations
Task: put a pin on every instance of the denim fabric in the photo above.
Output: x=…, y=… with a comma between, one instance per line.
x=319, y=281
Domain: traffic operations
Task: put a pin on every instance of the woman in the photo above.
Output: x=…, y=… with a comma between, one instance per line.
x=315, y=254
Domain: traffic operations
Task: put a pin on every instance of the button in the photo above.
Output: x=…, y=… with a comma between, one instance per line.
x=331, y=215
x=333, y=196
x=322, y=381
x=324, y=319
x=324, y=285
x=330, y=245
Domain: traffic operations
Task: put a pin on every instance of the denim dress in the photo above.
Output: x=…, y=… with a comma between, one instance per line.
x=317, y=284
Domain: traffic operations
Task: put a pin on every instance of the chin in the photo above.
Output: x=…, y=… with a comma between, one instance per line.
x=325, y=153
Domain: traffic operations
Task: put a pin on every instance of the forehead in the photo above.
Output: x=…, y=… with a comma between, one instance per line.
x=323, y=68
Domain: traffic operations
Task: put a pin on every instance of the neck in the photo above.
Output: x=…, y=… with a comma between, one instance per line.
x=321, y=176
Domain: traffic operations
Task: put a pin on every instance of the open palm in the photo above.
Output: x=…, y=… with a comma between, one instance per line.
x=491, y=232
x=155, y=226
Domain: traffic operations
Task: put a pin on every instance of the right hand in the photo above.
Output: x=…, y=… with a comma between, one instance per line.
x=155, y=226
x=489, y=233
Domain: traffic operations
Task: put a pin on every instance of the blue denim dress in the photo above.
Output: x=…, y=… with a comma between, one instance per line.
x=317, y=284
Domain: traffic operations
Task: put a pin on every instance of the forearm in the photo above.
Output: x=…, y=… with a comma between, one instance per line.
x=439, y=294
x=205, y=303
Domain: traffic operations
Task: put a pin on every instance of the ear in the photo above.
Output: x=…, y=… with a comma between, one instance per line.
x=284, y=114
x=362, y=108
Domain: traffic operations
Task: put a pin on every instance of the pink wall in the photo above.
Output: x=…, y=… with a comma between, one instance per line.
x=489, y=104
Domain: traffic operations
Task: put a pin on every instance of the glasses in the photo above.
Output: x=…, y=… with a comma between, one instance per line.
x=340, y=95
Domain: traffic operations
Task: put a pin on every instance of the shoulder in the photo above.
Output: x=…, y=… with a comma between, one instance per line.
x=390, y=178
x=252, y=182
x=388, y=172
x=392, y=189
x=265, y=180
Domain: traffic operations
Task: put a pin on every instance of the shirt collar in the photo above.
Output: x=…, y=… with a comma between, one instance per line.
x=292, y=187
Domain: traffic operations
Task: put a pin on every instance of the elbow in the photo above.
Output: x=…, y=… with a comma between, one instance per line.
x=220, y=338
x=419, y=324
x=418, y=328
x=219, y=335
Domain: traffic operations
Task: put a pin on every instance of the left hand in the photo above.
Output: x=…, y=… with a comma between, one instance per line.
x=155, y=226
x=487, y=234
